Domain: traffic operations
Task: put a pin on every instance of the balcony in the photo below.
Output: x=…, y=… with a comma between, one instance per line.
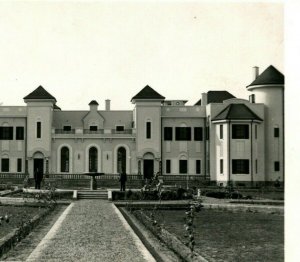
x=62, y=131
x=125, y=131
x=88, y=131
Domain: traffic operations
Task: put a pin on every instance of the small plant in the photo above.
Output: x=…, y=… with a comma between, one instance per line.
x=189, y=226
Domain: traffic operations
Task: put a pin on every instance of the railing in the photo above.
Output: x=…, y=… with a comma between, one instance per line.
x=184, y=177
x=130, y=177
x=125, y=131
x=62, y=131
x=98, y=131
x=12, y=175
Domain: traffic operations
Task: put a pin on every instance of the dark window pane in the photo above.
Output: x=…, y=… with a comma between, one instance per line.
x=6, y=133
x=168, y=166
x=19, y=133
x=121, y=161
x=240, y=166
x=65, y=159
x=183, y=133
x=221, y=131
x=276, y=132
x=93, y=128
x=221, y=166
x=38, y=129
x=168, y=133
x=183, y=166
x=198, y=166
x=207, y=133
x=67, y=128
x=93, y=159
x=276, y=166
x=148, y=130
x=198, y=133
x=19, y=165
x=240, y=131
x=119, y=128
x=4, y=165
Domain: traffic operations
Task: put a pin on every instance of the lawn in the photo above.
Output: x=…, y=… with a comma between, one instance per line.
x=231, y=236
x=17, y=215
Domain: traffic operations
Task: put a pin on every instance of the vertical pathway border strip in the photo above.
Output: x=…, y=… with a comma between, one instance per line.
x=144, y=251
x=52, y=232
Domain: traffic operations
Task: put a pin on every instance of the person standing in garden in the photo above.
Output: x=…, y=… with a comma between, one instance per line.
x=123, y=179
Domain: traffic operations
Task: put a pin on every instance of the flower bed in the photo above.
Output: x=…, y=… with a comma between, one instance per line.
x=231, y=236
x=17, y=222
x=178, y=194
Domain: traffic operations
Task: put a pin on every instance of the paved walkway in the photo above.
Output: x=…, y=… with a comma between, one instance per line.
x=90, y=230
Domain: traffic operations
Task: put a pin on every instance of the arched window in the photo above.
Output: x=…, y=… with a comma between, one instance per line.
x=121, y=162
x=93, y=156
x=64, y=159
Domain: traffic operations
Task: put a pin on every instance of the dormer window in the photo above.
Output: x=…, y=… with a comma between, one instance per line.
x=93, y=128
x=119, y=128
x=67, y=128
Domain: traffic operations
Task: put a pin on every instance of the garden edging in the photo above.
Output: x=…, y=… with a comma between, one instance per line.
x=7, y=242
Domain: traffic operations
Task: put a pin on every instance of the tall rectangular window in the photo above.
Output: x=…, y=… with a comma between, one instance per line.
x=221, y=166
x=276, y=166
x=276, y=132
x=19, y=165
x=38, y=129
x=255, y=131
x=256, y=166
x=148, y=130
x=67, y=128
x=198, y=133
x=183, y=166
x=168, y=166
x=5, y=165
x=6, y=133
x=198, y=166
x=168, y=133
x=240, y=131
x=118, y=128
x=19, y=133
x=221, y=131
x=183, y=133
x=240, y=166
x=207, y=133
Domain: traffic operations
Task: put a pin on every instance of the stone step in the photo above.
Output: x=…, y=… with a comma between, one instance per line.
x=92, y=194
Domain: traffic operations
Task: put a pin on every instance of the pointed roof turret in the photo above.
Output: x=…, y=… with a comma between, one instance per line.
x=148, y=93
x=94, y=103
x=271, y=76
x=40, y=93
x=237, y=112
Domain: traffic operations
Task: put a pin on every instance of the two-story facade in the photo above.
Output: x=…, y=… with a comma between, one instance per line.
x=221, y=137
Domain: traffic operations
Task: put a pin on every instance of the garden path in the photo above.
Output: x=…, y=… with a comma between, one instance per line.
x=91, y=230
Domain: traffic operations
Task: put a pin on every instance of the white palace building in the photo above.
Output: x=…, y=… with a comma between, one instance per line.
x=221, y=137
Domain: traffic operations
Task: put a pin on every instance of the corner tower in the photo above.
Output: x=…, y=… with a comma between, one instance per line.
x=268, y=89
x=147, y=121
x=40, y=106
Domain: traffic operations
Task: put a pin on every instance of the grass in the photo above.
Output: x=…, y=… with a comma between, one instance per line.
x=17, y=215
x=231, y=236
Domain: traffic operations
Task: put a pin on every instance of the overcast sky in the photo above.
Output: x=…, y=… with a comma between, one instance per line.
x=110, y=50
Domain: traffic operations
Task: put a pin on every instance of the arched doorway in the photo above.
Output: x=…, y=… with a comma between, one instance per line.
x=121, y=160
x=148, y=165
x=93, y=159
x=38, y=164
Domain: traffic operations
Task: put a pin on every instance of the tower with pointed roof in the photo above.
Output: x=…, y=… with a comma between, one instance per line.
x=268, y=89
x=40, y=106
x=147, y=122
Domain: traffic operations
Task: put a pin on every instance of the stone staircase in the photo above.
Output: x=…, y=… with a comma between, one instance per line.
x=92, y=194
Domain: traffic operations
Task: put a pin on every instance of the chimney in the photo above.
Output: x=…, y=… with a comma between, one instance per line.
x=107, y=104
x=255, y=72
x=204, y=99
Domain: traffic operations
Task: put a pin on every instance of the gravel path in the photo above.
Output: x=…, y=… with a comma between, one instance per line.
x=92, y=231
